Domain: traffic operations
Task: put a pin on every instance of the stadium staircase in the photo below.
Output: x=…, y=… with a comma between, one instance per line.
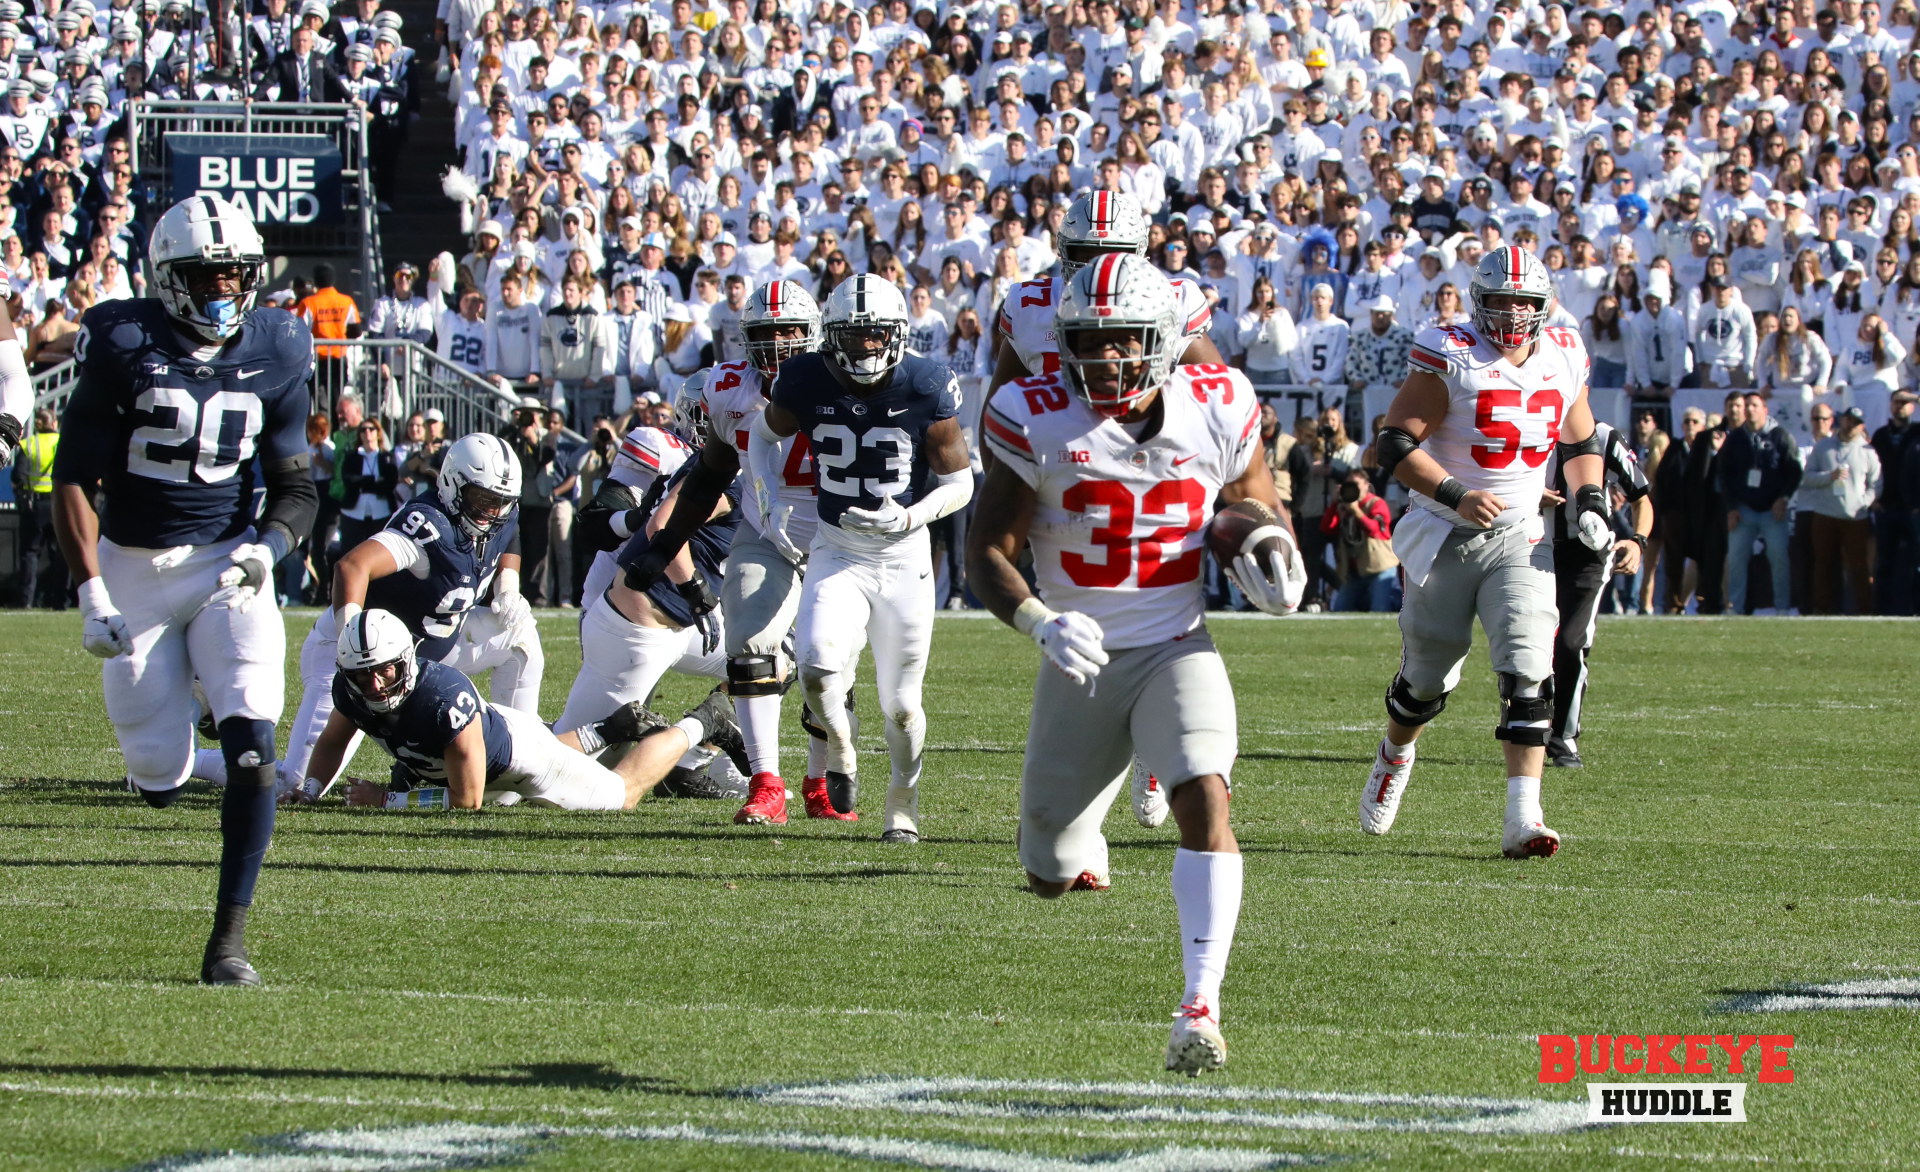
x=423, y=222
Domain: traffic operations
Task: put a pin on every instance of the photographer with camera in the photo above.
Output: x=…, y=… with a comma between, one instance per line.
x=1334, y=455
x=1361, y=526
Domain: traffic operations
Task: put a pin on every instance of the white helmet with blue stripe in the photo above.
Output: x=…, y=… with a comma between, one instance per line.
x=208, y=265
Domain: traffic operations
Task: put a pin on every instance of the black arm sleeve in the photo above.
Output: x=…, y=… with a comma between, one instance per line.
x=702, y=490
x=292, y=498
x=594, y=525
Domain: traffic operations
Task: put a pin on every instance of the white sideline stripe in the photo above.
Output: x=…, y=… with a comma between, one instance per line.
x=1458, y=1114
x=1870, y=993
x=464, y=1145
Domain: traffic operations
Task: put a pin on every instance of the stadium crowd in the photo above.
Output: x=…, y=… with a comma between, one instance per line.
x=1727, y=196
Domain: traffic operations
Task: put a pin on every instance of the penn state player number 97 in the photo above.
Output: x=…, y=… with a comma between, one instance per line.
x=190, y=447
x=896, y=445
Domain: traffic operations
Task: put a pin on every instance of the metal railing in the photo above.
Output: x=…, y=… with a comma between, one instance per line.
x=151, y=121
x=393, y=379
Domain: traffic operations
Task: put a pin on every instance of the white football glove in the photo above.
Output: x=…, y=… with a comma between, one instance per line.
x=1070, y=640
x=890, y=518
x=772, y=517
x=1591, y=520
x=511, y=609
x=103, y=632
x=1278, y=586
x=248, y=575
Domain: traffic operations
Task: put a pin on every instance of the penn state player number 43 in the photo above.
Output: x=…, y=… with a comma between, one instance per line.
x=186, y=403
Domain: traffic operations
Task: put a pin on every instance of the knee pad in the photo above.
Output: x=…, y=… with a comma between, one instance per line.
x=1526, y=710
x=754, y=675
x=1409, y=709
x=246, y=743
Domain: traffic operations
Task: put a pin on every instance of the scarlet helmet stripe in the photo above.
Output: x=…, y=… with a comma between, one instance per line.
x=1102, y=216
x=1105, y=277
x=1513, y=259
x=773, y=298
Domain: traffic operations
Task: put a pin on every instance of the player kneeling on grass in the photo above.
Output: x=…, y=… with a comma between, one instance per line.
x=1107, y=469
x=1470, y=434
x=433, y=721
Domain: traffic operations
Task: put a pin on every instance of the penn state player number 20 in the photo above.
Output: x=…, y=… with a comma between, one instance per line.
x=197, y=436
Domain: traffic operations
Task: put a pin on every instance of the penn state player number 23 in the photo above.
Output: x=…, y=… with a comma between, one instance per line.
x=895, y=445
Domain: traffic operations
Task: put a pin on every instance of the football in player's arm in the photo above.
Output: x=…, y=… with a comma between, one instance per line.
x=185, y=404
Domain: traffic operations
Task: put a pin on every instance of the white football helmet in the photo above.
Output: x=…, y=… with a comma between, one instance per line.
x=197, y=237
x=865, y=305
x=690, y=409
x=1100, y=222
x=480, y=484
x=1118, y=291
x=779, y=303
x=1511, y=271
x=371, y=640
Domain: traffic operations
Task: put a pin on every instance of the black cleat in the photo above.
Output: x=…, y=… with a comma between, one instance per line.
x=700, y=784
x=630, y=723
x=1564, y=754
x=843, y=792
x=723, y=731
x=900, y=837
x=228, y=970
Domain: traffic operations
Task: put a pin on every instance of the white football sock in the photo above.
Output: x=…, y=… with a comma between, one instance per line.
x=1397, y=752
x=1206, y=889
x=816, y=757
x=696, y=732
x=1523, y=800
x=759, y=718
x=210, y=765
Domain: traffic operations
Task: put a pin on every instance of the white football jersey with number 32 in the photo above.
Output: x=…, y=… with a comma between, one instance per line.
x=1119, y=528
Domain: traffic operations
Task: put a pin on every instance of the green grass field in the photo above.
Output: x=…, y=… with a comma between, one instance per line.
x=661, y=989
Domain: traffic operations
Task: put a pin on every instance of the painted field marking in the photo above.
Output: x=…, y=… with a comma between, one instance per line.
x=1217, y=1106
x=1868, y=993
x=431, y=1147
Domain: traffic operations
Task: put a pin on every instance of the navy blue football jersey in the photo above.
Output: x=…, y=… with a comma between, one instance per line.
x=172, y=438
x=434, y=604
x=708, y=547
x=867, y=447
x=442, y=703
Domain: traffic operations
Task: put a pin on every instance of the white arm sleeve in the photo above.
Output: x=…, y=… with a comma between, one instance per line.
x=950, y=493
x=763, y=456
x=16, y=385
x=408, y=557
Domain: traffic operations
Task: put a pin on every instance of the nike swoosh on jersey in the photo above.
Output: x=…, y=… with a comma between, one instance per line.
x=893, y=411
x=250, y=373
x=1184, y=459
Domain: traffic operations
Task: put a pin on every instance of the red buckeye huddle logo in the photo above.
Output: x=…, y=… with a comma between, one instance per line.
x=1564, y=1055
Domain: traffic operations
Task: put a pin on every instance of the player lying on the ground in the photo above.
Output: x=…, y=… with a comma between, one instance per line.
x=1107, y=469
x=431, y=718
x=186, y=403
x=1469, y=435
x=760, y=596
x=890, y=459
x=434, y=562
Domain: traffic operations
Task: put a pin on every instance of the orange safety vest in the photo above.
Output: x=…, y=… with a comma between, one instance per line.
x=329, y=312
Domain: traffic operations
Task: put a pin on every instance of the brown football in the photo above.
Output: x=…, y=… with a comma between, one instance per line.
x=1236, y=529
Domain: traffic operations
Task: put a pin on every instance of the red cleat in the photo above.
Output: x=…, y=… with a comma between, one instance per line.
x=1091, y=881
x=766, y=802
x=813, y=791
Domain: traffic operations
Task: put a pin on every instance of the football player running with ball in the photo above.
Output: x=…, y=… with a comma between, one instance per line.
x=1108, y=469
x=760, y=594
x=1470, y=434
x=178, y=395
x=889, y=459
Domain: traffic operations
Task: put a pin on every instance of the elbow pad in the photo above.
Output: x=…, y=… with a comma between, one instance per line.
x=1591, y=446
x=1394, y=445
x=292, y=503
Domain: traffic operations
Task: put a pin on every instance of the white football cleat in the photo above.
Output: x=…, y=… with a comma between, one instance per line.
x=1529, y=840
x=1386, y=785
x=1196, y=1044
x=1149, y=798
